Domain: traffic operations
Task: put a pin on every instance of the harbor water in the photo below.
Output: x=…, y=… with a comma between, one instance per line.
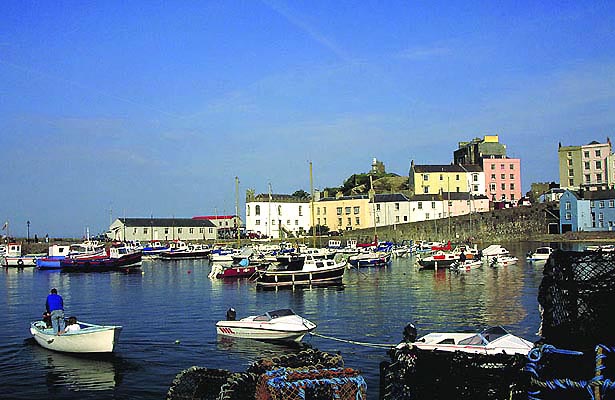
x=169, y=310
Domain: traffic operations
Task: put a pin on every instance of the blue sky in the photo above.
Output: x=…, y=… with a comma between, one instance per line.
x=153, y=107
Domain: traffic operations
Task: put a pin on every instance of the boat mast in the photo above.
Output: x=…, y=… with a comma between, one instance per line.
x=237, y=211
x=312, y=207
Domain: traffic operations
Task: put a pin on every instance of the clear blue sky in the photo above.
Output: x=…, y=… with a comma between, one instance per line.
x=153, y=107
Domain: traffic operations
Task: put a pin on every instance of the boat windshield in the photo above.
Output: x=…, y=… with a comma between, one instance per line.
x=280, y=313
x=485, y=337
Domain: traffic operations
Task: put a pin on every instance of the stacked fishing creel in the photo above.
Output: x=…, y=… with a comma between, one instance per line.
x=576, y=359
x=318, y=374
x=415, y=374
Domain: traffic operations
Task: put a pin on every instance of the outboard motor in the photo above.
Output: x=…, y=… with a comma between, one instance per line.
x=231, y=314
x=410, y=333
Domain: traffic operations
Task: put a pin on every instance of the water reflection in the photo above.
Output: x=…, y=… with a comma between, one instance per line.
x=77, y=372
x=255, y=349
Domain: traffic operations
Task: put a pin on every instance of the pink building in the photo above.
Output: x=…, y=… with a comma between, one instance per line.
x=502, y=178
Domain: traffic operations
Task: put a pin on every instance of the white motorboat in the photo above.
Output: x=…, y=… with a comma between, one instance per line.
x=494, y=250
x=502, y=261
x=540, y=254
x=493, y=340
x=467, y=265
x=89, y=339
x=281, y=324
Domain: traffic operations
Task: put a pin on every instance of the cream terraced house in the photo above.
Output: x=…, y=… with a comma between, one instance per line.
x=161, y=229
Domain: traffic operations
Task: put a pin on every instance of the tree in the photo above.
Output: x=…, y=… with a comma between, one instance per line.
x=301, y=194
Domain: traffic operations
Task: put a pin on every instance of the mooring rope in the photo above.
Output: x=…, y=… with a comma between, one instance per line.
x=366, y=344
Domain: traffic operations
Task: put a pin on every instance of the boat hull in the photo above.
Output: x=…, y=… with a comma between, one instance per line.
x=91, y=339
x=245, y=332
x=282, y=278
x=23, y=261
x=181, y=255
x=102, y=263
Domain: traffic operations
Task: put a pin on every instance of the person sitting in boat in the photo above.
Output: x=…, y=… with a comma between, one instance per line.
x=72, y=326
x=462, y=257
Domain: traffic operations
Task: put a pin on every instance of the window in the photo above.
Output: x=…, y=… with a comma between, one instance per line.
x=570, y=182
x=202, y=230
x=317, y=210
x=425, y=177
x=419, y=205
x=279, y=210
x=586, y=165
x=377, y=207
x=145, y=231
x=502, y=166
x=611, y=203
x=356, y=210
x=257, y=222
x=450, y=203
x=426, y=189
x=441, y=177
x=600, y=217
x=339, y=211
x=570, y=163
x=405, y=218
x=396, y=206
x=457, y=177
x=512, y=176
x=179, y=230
x=568, y=216
x=134, y=231
x=347, y=210
x=377, y=219
x=492, y=166
x=503, y=176
x=248, y=210
x=601, y=204
x=349, y=221
x=597, y=153
x=512, y=166
x=257, y=210
x=191, y=230
x=475, y=188
x=512, y=186
x=512, y=196
x=493, y=177
x=598, y=164
x=426, y=215
x=474, y=177
x=397, y=218
x=503, y=186
x=357, y=221
x=599, y=178
x=273, y=222
x=567, y=206
x=300, y=210
x=585, y=154
x=570, y=172
x=433, y=204
x=587, y=178
x=166, y=231
x=339, y=222
x=288, y=221
x=492, y=187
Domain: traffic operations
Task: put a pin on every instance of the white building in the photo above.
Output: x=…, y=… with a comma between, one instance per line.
x=425, y=207
x=277, y=216
x=163, y=229
x=390, y=209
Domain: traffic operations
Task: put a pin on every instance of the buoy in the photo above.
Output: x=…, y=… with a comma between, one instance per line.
x=189, y=271
x=177, y=341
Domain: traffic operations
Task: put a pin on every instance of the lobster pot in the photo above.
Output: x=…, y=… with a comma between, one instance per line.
x=431, y=374
x=577, y=299
x=324, y=384
x=198, y=383
x=559, y=374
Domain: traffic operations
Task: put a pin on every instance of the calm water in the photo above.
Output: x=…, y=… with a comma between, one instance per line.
x=176, y=301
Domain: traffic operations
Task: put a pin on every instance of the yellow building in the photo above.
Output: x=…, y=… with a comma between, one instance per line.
x=434, y=179
x=344, y=212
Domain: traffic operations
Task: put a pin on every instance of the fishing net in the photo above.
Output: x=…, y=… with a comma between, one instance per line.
x=559, y=374
x=244, y=385
x=296, y=384
x=415, y=374
x=577, y=296
x=198, y=383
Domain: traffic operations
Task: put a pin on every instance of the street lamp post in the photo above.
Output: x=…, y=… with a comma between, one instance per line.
x=28, y=224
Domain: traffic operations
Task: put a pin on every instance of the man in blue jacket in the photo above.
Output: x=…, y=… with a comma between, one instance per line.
x=55, y=307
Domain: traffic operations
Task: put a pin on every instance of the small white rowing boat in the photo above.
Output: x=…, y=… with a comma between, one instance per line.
x=281, y=324
x=493, y=340
x=89, y=339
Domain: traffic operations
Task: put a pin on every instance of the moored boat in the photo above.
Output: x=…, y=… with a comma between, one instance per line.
x=540, y=254
x=493, y=340
x=120, y=258
x=281, y=324
x=90, y=338
x=502, y=261
x=312, y=272
x=467, y=265
x=186, y=252
x=440, y=259
x=370, y=259
x=14, y=258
